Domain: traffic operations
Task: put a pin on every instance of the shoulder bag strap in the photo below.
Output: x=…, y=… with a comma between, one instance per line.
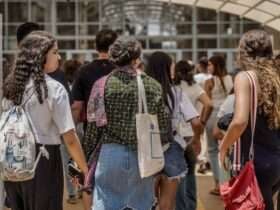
x=142, y=102
x=253, y=109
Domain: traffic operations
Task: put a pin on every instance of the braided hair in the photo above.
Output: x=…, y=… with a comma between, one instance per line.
x=255, y=53
x=29, y=65
x=124, y=50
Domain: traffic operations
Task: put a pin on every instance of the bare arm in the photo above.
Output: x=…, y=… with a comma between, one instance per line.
x=77, y=108
x=197, y=131
x=241, y=112
x=74, y=148
x=208, y=87
x=207, y=108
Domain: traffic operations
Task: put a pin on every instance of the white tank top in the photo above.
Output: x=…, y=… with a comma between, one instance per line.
x=219, y=94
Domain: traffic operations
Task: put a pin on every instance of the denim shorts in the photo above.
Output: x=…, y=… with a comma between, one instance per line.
x=118, y=184
x=175, y=163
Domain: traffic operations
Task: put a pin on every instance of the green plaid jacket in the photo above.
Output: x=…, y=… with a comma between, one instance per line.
x=121, y=105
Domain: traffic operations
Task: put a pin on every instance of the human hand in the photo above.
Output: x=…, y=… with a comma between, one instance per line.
x=222, y=158
x=196, y=145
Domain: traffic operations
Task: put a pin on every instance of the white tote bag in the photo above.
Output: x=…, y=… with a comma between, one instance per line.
x=150, y=151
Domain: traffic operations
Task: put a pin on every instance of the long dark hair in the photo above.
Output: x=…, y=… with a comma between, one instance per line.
x=158, y=67
x=184, y=71
x=29, y=64
x=220, y=70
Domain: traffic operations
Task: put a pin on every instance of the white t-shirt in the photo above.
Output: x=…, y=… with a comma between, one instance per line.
x=227, y=107
x=218, y=93
x=53, y=117
x=193, y=91
x=200, y=78
x=184, y=111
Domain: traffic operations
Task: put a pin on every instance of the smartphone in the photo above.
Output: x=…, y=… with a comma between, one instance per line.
x=75, y=172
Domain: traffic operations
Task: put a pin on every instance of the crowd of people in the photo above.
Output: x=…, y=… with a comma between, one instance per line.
x=84, y=114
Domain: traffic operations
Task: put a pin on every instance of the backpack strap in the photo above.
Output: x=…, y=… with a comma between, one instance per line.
x=28, y=98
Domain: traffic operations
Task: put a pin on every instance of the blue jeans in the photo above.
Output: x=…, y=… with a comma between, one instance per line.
x=65, y=159
x=118, y=184
x=186, y=198
x=213, y=147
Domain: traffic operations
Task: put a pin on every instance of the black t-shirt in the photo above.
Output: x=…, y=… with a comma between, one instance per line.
x=87, y=76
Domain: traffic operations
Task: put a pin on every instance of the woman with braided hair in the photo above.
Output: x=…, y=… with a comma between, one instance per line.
x=256, y=57
x=47, y=104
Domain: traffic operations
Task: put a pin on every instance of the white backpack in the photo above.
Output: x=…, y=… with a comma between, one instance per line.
x=18, y=159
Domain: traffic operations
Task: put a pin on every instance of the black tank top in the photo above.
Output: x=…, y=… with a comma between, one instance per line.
x=264, y=137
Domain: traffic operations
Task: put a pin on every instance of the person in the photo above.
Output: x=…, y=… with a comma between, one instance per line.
x=90, y=73
x=70, y=69
x=49, y=111
x=217, y=88
x=161, y=67
x=203, y=73
x=24, y=29
x=183, y=79
x=118, y=184
x=255, y=55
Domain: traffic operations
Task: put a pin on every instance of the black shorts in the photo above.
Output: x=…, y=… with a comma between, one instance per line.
x=45, y=191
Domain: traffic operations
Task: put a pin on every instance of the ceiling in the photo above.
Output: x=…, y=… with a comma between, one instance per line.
x=266, y=12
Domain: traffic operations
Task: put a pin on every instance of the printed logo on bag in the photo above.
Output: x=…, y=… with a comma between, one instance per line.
x=17, y=146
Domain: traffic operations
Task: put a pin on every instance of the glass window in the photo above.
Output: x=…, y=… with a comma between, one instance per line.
x=66, y=44
x=207, y=28
x=66, y=29
x=229, y=43
x=186, y=13
x=88, y=29
x=12, y=29
x=17, y=12
x=12, y=43
x=249, y=25
x=230, y=28
x=89, y=11
x=184, y=44
x=184, y=28
x=155, y=44
x=187, y=55
x=40, y=11
x=206, y=14
x=65, y=11
x=207, y=43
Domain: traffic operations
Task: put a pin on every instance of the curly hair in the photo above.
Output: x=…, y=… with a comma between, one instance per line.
x=29, y=64
x=124, y=50
x=255, y=53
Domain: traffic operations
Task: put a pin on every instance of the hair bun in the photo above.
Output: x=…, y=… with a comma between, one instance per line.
x=124, y=50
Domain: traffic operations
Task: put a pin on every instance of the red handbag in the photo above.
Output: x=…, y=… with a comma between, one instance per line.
x=242, y=192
